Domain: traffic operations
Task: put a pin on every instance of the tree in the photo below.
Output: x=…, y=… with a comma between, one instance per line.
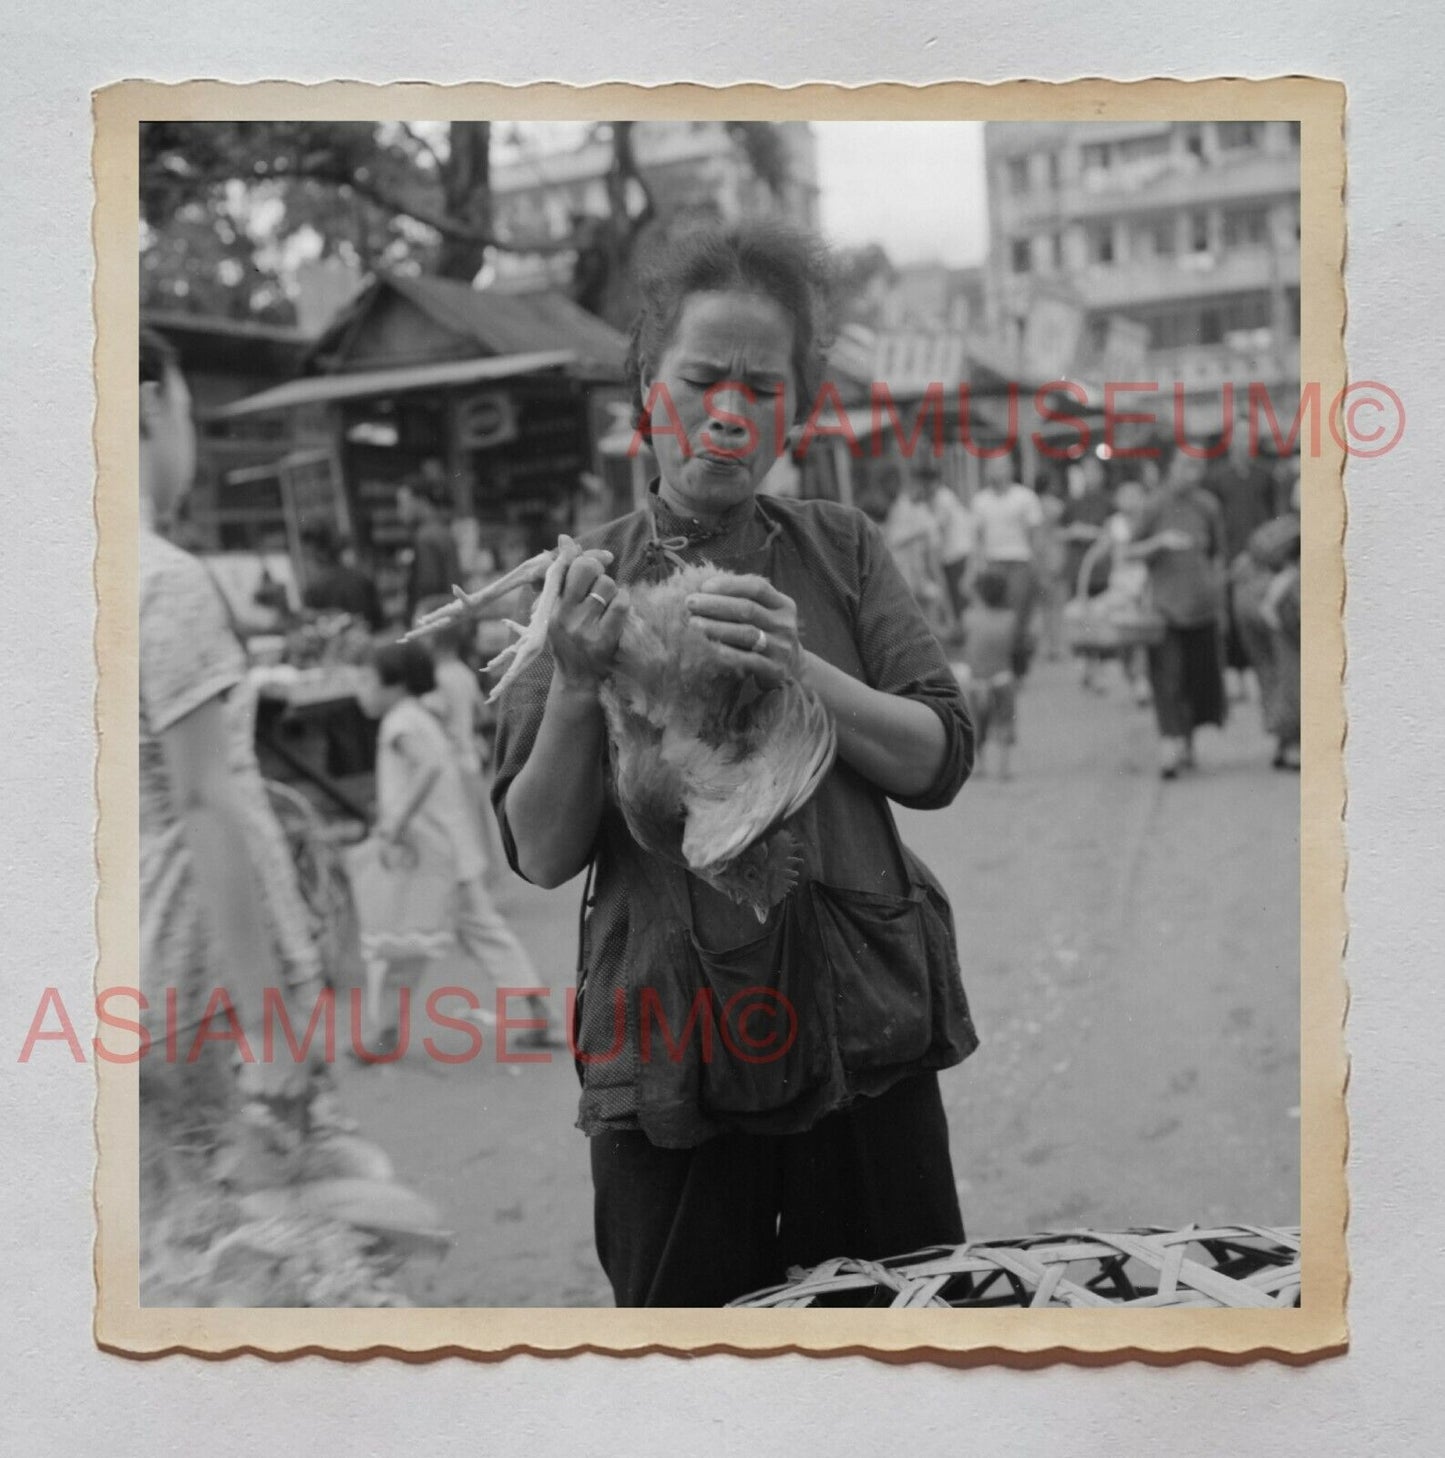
x=226, y=207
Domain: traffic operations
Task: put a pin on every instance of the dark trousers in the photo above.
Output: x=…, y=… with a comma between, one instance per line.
x=954, y=574
x=700, y=1227
x=1187, y=680
x=1021, y=585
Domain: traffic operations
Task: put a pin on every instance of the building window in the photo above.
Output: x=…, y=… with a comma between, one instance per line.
x=1252, y=311
x=1211, y=323
x=1020, y=255
x=1095, y=156
x=1056, y=246
x=1101, y=243
x=1168, y=330
x=1199, y=232
x=1139, y=149
x=1245, y=227
x=1155, y=237
x=1234, y=135
x=1054, y=173
x=1294, y=135
x=1194, y=140
x=1018, y=176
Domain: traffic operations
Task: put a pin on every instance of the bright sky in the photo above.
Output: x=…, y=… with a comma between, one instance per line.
x=915, y=187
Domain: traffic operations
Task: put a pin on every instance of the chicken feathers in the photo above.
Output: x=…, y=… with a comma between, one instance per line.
x=707, y=765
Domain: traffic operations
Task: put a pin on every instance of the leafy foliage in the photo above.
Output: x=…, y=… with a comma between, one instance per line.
x=228, y=208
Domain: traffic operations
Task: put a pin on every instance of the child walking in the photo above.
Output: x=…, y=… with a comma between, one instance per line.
x=459, y=704
x=990, y=642
x=421, y=800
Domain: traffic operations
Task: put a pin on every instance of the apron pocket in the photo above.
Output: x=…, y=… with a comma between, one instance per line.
x=766, y=1050
x=875, y=949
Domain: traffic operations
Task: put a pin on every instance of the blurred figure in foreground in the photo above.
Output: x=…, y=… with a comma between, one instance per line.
x=203, y=925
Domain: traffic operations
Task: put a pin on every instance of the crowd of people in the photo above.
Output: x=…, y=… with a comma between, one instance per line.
x=1190, y=551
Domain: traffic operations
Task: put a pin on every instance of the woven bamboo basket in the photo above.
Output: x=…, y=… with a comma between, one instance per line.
x=1225, y=1266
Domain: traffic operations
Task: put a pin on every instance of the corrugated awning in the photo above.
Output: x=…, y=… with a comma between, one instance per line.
x=318, y=389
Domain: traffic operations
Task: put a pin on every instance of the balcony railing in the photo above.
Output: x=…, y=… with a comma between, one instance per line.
x=1133, y=282
x=1150, y=187
x=1207, y=367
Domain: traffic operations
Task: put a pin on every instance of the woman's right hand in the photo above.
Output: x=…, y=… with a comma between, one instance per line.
x=586, y=625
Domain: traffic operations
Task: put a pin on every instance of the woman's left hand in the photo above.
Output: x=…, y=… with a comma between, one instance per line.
x=754, y=623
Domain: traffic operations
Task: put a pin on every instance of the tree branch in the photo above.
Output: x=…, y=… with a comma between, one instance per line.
x=388, y=201
x=425, y=146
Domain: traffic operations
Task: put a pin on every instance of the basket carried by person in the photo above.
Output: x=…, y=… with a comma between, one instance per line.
x=1232, y=1266
x=403, y=901
x=1111, y=621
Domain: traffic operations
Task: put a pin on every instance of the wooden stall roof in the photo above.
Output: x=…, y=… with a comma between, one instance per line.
x=361, y=384
x=484, y=321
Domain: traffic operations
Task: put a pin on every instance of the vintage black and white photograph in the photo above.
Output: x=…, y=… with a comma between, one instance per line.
x=720, y=712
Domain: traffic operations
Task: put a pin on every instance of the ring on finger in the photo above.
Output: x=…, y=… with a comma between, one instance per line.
x=599, y=600
x=761, y=645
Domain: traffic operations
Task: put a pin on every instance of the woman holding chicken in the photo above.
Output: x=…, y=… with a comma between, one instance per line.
x=758, y=1061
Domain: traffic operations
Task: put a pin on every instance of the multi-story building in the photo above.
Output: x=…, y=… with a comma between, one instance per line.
x=691, y=167
x=927, y=296
x=1189, y=229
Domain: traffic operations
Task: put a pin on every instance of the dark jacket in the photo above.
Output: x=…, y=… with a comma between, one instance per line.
x=853, y=982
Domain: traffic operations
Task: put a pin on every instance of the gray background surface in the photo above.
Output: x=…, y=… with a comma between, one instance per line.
x=63, y=1396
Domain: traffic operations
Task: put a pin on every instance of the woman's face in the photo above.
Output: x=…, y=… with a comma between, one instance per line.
x=722, y=397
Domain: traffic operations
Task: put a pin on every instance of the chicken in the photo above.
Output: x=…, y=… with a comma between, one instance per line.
x=709, y=766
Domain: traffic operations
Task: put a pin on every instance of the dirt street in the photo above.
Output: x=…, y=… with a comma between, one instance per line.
x=1130, y=950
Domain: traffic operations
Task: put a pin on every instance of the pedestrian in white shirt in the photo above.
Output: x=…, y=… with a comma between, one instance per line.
x=1008, y=519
